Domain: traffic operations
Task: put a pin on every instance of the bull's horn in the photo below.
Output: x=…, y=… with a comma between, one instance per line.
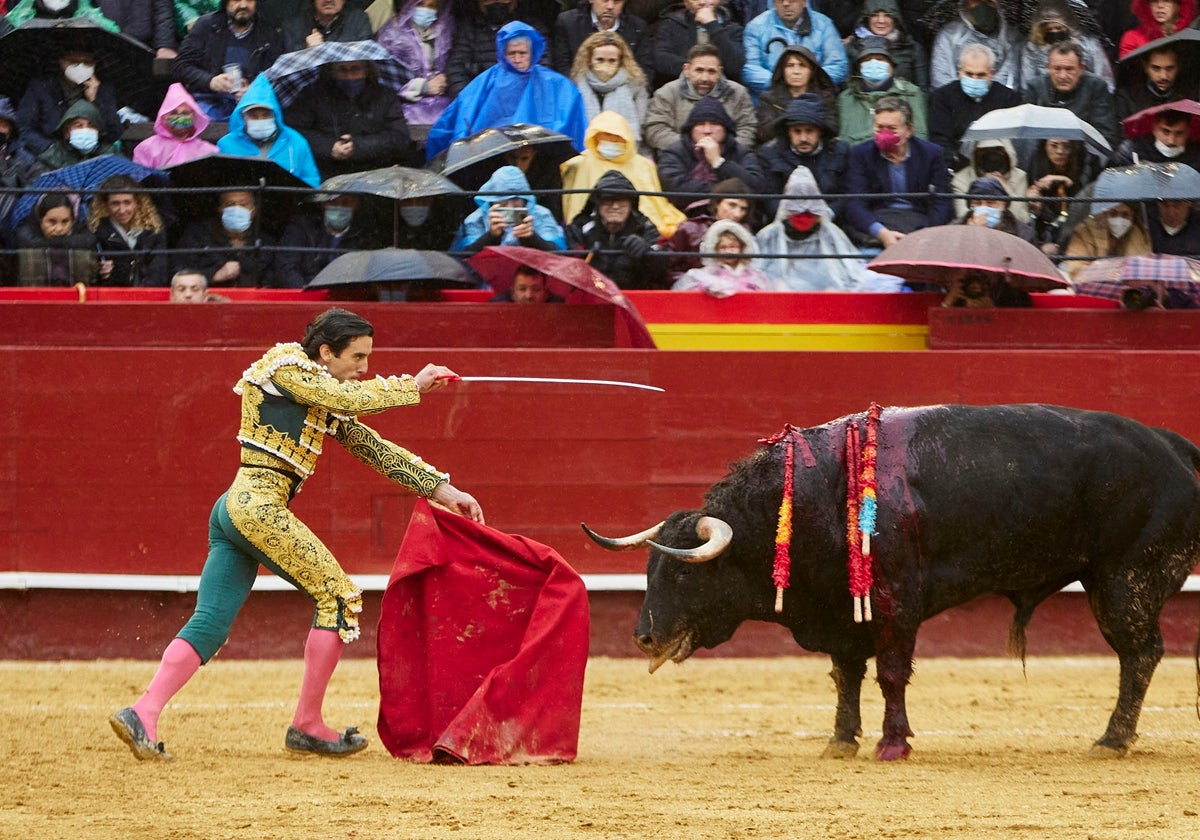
x=633, y=541
x=717, y=534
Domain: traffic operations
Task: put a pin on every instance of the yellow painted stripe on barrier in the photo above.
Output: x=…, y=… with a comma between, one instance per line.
x=693, y=336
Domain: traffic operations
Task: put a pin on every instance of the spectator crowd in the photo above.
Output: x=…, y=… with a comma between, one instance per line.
x=723, y=145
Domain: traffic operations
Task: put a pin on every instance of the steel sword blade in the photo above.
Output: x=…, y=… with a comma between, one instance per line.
x=611, y=382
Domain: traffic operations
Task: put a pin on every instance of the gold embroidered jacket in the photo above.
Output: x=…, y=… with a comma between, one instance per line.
x=289, y=404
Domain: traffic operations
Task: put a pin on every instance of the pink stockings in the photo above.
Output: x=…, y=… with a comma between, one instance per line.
x=179, y=662
x=321, y=654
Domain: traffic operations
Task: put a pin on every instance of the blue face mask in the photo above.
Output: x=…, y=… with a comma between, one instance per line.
x=236, y=218
x=875, y=71
x=424, y=17
x=975, y=88
x=352, y=87
x=990, y=214
x=338, y=218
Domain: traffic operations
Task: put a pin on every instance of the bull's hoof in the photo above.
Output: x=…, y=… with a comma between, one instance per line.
x=840, y=749
x=892, y=752
x=1099, y=750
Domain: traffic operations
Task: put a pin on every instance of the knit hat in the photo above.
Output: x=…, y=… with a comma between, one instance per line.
x=806, y=109
x=988, y=187
x=709, y=109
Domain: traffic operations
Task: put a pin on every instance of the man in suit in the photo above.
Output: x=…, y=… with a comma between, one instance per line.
x=892, y=163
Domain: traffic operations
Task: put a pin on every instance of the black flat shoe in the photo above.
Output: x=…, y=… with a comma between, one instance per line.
x=347, y=743
x=129, y=729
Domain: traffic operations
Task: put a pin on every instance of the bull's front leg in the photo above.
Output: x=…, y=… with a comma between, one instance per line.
x=893, y=666
x=847, y=673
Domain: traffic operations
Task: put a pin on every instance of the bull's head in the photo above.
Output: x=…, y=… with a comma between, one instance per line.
x=686, y=604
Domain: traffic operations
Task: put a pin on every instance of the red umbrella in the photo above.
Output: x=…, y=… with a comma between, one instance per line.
x=572, y=279
x=940, y=255
x=1141, y=123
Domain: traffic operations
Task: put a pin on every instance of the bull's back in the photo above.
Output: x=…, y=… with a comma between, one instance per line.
x=1010, y=498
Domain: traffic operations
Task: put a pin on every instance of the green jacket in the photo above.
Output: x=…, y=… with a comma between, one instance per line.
x=856, y=109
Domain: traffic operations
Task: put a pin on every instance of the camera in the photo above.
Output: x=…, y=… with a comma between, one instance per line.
x=1138, y=298
x=512, y=215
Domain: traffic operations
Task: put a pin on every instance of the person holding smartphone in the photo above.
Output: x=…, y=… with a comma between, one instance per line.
x=509, y=214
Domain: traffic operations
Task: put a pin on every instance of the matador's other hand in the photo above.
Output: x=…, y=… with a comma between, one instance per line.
x=434, y=376
x=464, y=504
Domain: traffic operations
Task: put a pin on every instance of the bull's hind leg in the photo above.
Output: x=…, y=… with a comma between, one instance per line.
x=848, y=674
x=1128, y=620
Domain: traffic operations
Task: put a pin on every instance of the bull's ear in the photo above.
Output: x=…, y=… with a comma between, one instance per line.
x=716, y=533
x=633, y=541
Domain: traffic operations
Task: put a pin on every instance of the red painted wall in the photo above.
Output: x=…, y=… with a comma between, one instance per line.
x=112, y=451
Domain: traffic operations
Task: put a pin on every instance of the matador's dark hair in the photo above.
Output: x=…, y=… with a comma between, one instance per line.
x=335, y=327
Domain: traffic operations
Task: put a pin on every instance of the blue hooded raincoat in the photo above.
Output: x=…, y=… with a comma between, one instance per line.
x=503, y=95
x=511, y=183
x=290, y=150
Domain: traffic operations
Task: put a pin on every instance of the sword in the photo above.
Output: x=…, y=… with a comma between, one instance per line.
x=610, y=382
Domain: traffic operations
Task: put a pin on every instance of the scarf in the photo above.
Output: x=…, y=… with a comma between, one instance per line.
x=614, y=95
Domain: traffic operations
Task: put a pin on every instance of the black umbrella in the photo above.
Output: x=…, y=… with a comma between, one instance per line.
x=33, y=48
x=471, y=161
x=389, y=270
x=1186, y=42
x=212, y=174
x=394, y=182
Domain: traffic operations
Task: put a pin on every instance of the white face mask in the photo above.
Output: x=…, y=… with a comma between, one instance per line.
x=414, y=216
x=260, y=129
x=56, y=5
x=609, y=149
x=84, y=139
x=79, y=73
x=1169, y=151
x=1118, y=226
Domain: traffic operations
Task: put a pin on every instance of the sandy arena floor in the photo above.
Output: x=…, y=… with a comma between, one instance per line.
x=715, y=748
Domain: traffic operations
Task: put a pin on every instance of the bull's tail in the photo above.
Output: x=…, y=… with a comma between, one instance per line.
x=1016, y=634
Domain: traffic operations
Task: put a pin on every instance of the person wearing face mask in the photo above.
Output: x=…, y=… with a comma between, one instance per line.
x=989, y=206
x=53, y=249
x=954, y=106
x=419, y=36
x=257, y=129
x=874, y=78
x=611, y=145
x=1056, y=21
x=78, y=138
x=1169, y=140
x=573, y=26
x=351, y=121
x=977, y=22
x=1174, y=228
x=882, y=19
x=507, y=213
x=225, y=245
x=900, y=171
x=609, y=79
x=315, y=238
x=48, y=97
x=1119, y=231
x=23, y=11
x=324, y=20
x=177, y=132
x=997, y=160
x=473, y=50
x=803, y=227
x=703, y=77
x=517, y=89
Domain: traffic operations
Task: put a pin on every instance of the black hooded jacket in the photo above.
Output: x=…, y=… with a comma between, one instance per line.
x=629, y=264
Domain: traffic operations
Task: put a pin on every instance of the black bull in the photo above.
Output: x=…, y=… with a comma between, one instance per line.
x=1019, y=500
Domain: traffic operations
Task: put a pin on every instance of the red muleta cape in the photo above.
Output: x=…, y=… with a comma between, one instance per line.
x=482, y=646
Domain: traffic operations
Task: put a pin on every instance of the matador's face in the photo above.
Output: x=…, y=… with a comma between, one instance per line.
x=351, y=363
